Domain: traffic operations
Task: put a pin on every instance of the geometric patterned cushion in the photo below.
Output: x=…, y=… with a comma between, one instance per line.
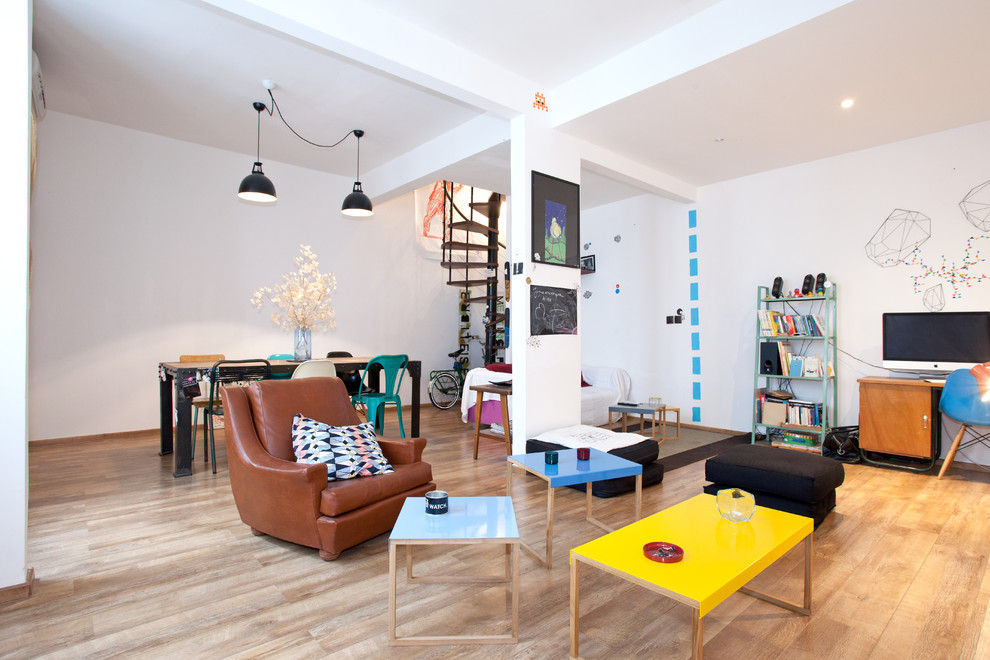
x=348, y=451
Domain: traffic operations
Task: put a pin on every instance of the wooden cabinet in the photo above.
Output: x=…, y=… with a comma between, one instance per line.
x=899, y=416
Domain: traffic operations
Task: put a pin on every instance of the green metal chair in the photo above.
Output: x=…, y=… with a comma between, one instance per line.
x=392, y=369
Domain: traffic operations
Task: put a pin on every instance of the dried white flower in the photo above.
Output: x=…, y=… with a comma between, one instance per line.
x=303, y=299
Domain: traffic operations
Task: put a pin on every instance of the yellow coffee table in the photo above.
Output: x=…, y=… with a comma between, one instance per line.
x=720, y=557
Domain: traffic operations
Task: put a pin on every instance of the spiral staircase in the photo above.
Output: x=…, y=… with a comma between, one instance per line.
x=470, y=257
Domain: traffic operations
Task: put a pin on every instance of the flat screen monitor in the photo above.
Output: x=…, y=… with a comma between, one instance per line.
x=935, y=341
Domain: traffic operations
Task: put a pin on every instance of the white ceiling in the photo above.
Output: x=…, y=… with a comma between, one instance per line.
x=408, y=73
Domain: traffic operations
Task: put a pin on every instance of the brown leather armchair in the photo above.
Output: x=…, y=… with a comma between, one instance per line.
x=293, y=501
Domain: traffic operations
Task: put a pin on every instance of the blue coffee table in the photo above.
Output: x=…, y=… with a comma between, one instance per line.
x=469, y=520
x=567, y=472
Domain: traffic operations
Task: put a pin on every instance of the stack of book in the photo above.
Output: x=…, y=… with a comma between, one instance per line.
x=778, y=324
x=781, y=411
x=797, y=441
x=794, y=365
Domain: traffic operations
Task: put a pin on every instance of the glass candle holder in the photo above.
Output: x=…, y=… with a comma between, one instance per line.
x=550, y=457
x=735, y=505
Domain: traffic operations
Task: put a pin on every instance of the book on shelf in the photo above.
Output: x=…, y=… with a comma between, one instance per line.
x=774, y=412
x=778, y=324
x=784, y=348
x=786, y=444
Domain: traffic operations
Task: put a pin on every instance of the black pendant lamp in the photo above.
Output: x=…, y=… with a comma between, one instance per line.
x=357, y=204
x=256, y=187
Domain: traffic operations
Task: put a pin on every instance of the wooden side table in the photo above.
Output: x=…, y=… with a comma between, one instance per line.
x=658, y=417
x=503, y=392
x=663, y=423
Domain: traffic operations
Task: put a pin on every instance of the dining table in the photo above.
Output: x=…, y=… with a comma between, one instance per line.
x=176, y=392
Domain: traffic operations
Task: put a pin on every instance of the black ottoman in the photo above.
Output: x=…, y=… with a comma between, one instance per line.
x=644, y=453
x=780, y=479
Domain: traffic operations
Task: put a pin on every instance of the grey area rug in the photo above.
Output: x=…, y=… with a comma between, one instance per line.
x=704, y=452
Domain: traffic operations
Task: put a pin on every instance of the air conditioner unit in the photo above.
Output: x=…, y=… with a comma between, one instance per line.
x=37, y=88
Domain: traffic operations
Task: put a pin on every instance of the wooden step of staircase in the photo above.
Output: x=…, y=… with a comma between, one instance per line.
x=482, y=298
x=458, y=245
x=467, y=264
x=467, y=283
x=498, y=318
x=476, y=227
x=486, y=208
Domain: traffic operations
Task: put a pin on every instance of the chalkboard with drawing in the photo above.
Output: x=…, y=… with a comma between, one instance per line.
x=553, y=311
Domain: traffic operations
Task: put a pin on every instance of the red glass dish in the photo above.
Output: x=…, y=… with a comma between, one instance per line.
x=663, y=552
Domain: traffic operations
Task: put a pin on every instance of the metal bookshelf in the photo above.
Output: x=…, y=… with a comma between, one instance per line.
x=822, y=388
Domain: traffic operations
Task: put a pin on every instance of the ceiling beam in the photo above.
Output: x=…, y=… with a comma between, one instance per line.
x=377, y=39
x=719, y=30
x=435, y=160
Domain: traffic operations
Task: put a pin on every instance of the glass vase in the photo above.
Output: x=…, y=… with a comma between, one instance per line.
x=303, y=344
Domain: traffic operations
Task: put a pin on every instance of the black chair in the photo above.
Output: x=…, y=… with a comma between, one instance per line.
x=228, y=372
x=351, y=378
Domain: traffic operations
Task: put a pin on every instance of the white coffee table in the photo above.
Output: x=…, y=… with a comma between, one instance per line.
x=469, y=520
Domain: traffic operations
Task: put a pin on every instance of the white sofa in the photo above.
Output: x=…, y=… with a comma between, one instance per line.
x=608, y=385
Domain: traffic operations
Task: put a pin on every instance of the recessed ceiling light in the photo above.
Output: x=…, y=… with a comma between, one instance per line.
x=846, y=104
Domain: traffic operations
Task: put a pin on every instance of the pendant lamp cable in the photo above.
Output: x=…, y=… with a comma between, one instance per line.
x=315, y=144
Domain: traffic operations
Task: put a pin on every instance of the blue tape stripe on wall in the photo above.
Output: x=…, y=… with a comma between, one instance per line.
x=695, y=336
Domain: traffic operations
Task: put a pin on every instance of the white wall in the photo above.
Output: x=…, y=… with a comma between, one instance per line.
x=546, y=390
x=15, y=53
x=818, y=217
x=811, y=218
x=639, y=280
x=142, y=251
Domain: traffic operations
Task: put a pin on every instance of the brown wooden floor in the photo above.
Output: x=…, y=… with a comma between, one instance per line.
x=135, y=563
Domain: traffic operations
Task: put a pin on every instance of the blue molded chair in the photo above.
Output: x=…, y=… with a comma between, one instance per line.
x=393, y=368
x=281, y=356
x=961, y=401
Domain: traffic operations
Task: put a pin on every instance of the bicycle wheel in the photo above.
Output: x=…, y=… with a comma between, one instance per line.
x=444, y=391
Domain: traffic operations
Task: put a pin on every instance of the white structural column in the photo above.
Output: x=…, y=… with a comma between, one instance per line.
x=546, y=369
x=15, y=62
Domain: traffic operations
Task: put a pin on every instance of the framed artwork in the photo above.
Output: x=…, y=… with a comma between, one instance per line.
x=556, y=221
x=588, y=263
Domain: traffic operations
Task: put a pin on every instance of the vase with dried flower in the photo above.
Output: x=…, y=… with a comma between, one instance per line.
x=302, y=301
